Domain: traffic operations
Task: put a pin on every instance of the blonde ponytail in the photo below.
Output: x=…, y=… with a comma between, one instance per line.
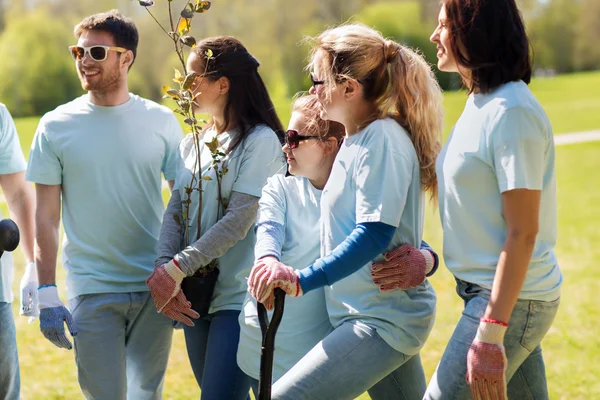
x=395, y=78
x=415, y=100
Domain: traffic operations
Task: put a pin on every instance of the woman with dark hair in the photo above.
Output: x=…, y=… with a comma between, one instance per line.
x=249, y=135
x=497, y=199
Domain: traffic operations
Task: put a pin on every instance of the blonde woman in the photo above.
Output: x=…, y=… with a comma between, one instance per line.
x=390, y=104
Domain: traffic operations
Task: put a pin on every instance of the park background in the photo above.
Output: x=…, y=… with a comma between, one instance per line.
x=37, y=74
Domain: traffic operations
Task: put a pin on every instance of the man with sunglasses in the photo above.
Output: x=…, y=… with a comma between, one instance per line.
x=102, y=155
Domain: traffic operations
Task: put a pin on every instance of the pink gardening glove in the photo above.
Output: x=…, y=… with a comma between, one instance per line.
x=404, y=267
x=268, y=274
x=486, y=362
x=165, y=283
x=180, y=309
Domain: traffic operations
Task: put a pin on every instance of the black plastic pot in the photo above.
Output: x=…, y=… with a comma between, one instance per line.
x=199, y=289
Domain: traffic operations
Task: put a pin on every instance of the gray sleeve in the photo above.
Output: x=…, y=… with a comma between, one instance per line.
x=269, y=240
x=233, y=227
x=169, y=241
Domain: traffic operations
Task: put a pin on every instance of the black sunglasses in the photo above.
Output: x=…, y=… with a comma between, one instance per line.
x=97, y=52
x=315, y=82
x=293, y=138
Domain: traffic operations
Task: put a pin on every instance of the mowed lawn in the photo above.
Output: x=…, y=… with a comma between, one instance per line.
x=572, y=347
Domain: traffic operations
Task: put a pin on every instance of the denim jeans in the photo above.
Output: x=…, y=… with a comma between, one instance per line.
x=349, y=361
x=122, y=345
x=212, y=349
x=409, y=376
x=525, y=373
x=9, y=360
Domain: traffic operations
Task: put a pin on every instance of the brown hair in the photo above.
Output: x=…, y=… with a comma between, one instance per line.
x=248, y=102
x=488, y=38
x=122, y=29
x=395, y=78
x=308, y=105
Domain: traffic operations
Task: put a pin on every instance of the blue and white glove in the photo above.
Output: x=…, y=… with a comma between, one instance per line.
x=53, y=316
x=29, y=294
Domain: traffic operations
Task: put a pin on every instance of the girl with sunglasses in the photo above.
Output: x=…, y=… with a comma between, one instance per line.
x=287, y=230
x=248, y=131
x=390, y=104
x=498, y=202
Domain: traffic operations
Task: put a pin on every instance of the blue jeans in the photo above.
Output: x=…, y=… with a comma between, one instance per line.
x=527, y=327
x=122, y=345
x=392, y=387
x=349, y=361
x=10, y=383
x=212, y=349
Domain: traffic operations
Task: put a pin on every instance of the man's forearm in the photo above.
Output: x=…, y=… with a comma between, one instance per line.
x=21, y=206
x=46, y=250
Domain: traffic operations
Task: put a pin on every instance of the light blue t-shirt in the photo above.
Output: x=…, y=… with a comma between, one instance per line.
x=294, y=203
x=376, y=178
x=502, y=141
x=11, y=161
x=109, y=162
x=249, y=166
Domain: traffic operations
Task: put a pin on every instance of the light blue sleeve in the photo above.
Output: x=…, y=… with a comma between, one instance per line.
x=382, y=181
x=270, y=231
x=519, y=143
x=262, y=157
x=272, y=205
x=173, y=136
x=11, y=155
x=44, y=164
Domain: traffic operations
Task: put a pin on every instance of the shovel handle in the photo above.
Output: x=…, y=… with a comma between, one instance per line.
x=268, y=343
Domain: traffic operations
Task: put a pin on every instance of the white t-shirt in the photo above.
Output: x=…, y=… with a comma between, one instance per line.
x=249, y=166
x=376, y=178
x=294, y=203
x=108, y=161
x=11, y=161
x=502, y=141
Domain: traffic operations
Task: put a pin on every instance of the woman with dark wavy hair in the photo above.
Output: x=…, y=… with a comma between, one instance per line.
x=249, y=135
x=497, y=198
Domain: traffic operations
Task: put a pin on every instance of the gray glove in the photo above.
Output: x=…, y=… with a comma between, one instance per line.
x=53, y=316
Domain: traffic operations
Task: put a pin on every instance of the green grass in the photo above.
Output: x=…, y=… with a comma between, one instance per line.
x=568, y=99
x=571, y=348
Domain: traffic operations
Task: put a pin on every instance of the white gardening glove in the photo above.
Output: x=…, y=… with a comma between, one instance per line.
x=53, y=316
x=29, y=295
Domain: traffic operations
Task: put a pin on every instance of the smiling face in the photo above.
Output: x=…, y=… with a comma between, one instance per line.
x=308, y=158
x=441, y=37
x=100, y=76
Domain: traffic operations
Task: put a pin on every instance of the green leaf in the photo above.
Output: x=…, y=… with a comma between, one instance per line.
x=213, y=145
x=173, y=93
x=209, y=53
x=178, y=77
x=188, y=121
x=185, y=13
x=189, y=41
x=183, y=26
x=202, y=6
x=177, y=219
x=206, y=178
x=189, y=80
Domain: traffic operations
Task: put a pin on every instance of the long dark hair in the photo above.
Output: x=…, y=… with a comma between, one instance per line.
x=248, y=102
x=489, y=39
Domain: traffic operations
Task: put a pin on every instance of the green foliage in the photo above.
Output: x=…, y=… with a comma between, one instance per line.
x=402, y=22
x=37, y=71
